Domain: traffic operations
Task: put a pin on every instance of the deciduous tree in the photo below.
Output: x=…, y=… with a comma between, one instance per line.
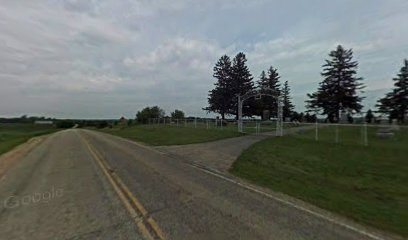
x=177, y=114
x=149, y=112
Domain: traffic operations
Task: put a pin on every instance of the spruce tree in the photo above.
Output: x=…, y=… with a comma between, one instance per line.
x=369, y=116
x=385, y=105
x=221, y=98
x=340, y=87
x=271, y=81
x=395, y=103
x=263, y=79
x=287, y=101
x=241, y=83
x=259, y=104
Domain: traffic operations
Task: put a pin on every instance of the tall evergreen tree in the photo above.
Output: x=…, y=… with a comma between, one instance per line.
x=221, y=98
x=395, y=103
x=339, y=89
x=271, y=81
x=263, y=79
x=288, y=106
x=241, y=84
x=258, y=103
x=369, y=116
x=385, y=105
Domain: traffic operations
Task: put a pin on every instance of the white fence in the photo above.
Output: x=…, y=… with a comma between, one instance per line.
x=361, y=134
x=249, y=125
x=358, y=134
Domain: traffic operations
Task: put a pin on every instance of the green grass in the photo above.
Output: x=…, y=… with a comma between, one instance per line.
x=366, y=183
x=170, y=135
x=12, y=135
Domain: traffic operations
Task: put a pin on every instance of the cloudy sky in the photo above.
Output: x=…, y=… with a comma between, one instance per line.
x=108, y=58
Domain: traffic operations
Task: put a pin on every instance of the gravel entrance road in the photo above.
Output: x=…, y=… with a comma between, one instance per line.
x=221, y=154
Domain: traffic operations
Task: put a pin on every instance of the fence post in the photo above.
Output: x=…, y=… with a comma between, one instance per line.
x=257, y=128
x=337, y=133
x=317, y=132
x=281, y=127
x=195, y=122
x=365, y=134
x=260, y=126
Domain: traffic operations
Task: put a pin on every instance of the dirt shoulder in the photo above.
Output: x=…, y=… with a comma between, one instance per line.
x=9, y=158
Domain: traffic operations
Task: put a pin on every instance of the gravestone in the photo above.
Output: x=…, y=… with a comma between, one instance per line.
x=385, y=131
x=395, y=125
x=266, y=115
x=343, y=117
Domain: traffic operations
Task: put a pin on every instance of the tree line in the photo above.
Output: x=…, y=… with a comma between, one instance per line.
x=340, y=92
x=234, y=79
x=147, y=113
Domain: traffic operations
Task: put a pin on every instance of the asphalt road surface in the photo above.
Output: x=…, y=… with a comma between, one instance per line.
x=79, y=184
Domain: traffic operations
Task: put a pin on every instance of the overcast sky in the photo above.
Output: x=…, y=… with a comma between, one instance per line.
x=108, y=58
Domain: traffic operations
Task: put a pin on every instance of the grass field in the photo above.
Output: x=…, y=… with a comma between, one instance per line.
x=366, y=183
x=170, y=135
x=12, y=135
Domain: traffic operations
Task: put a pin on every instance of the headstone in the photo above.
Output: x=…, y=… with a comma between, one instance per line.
x=343, y=117
x=395, y=125
x=385, y=131
x=266, y=115
x=383, y=120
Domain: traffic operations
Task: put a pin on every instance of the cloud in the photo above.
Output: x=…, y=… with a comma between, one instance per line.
x=71, y=58
x=179, y=52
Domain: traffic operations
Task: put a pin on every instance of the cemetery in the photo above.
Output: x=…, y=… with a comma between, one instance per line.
x=338, y=171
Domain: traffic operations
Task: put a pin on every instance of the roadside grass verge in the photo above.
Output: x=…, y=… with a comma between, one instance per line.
x=12, y=135
x=157, y=135
x=366, y=183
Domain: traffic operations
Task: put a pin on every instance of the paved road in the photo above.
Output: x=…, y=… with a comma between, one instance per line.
x=80, y=184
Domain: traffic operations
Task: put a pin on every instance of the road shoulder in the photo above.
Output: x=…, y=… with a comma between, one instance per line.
x=8, y=159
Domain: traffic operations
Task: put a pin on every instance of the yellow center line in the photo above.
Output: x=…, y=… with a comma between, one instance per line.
x=149, y=228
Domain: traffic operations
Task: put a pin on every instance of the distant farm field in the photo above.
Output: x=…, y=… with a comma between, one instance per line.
x=12, y=134
x=366, y=183
x=171, y=135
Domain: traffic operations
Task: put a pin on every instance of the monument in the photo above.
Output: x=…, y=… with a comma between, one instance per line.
x=385, y=131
